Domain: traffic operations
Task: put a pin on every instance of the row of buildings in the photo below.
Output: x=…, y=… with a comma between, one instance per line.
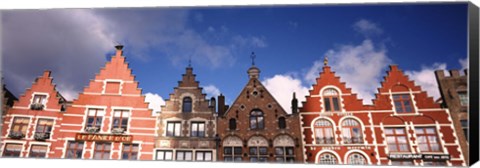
x=111, y=120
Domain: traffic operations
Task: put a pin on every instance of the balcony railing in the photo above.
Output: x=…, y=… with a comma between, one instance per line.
x=41, y=136
x=352, y=140
x=118, y=130
x=16, y=135
x=325, y=140
x=36, y=106
x=92, y=129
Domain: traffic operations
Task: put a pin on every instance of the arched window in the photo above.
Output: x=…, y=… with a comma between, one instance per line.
x=187, y=105
x=232, y=124
x=331, y=101
x=356, y=159
x=256, y=119
x=351, y=132
x=327, y=158
x=282, y=124
x=323, y=130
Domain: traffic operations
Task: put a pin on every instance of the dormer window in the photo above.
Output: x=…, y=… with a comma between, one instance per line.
x=403, y=103
x=112, y=87
x=38, y=102
x=331, y=100
x=187, y=105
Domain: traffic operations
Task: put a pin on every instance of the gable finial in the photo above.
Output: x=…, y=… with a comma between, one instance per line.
x=253, y=58
x=190, y=61
x=325, y=61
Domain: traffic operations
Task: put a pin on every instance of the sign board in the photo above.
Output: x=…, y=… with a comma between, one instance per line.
x=103, y=137
x=420, y=156
x=405, y=156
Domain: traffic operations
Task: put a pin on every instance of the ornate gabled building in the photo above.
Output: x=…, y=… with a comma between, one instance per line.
x=187, y=123
x=29, y=126
x=403, y=126
x=257, y=129
x=109, y=120
x=454, y=91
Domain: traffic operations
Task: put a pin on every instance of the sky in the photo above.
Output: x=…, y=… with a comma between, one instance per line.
x=290, y=43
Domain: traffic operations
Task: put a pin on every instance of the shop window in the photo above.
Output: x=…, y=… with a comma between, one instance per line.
x=282, y=124
x=174, y=128
x=102, y=150
x=164, y=155
x=331, y=100
x=356, y=159
x=323, y=131
x=232, y=153
x=403, y=103
x=203, y=156
x=187, y=105
x=352, y=132
x=74, y=150
x=130, y=152
x=184, y=155
x=43, y=129
x=38, y=151
x=112, y=87
x=198, y=129
x=12, y=150
x=38, y=102
x=396, y=140
x=327, y=158
x=120, y=121
x=427, y=139
x=94, y=120
x=19, y=127
x=256, y=119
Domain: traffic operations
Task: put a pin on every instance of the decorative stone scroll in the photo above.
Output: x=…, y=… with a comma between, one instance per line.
x=257, y=141
x=232, y=141
x=283, y=140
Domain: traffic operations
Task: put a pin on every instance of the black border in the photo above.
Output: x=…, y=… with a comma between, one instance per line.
x=473, y=45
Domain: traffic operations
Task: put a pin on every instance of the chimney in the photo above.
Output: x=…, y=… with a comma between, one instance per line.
x=213, y=105
x=294, y=104
x=221, y=105
x=119, y=51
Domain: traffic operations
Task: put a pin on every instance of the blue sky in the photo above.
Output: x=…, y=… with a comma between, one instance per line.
x=290, y=43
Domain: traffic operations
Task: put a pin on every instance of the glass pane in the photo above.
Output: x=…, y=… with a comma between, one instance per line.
x=177, y=129
x=260, y=122
x=168, y=155
x=278, y=151
x=227, y=150
x=336, y=107
x=199, y=156
x=238, y=150
x=327, y=104
x=188, y=155
x=253, y=151
x=263, y=150
x=160, y=155
x=208, y=156
x=290, y=151
x=253, y=122
x=180, y=155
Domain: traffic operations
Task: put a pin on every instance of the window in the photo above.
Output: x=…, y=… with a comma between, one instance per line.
x=282, y=124
x=102, y=150
x=130, y=152
x=402, y=103
x=38, y=151
x=464, y=124
x=203, y=156
x=94, y=120
x=198, y=129
x=323, y=131
x=434, y=163
x=112, y=87
x=284, y=154
x=356, y=159
x=330, y=99
x=402, y=163
x=427, y=139
x=164, y=155
x=12, y=150
x=43, y=129
x=174, y=128
x=463, y=98
x=232, y=124
x=19, y=127
x=38, y=102
x=184, y=155
x=396, y=139
x=187, y=105
x=256, y=119
x=327, y=158
x=120, y=121
x=352, y=132
x=231, y=153
x=258, y=154
x=74, y=150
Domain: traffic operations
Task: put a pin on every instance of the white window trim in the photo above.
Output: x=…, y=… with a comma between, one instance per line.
x=65, y=145
x=412, y=100
x=120, y=88
x=38, y=143
x=47, y=96
x=5, y=142
x=85, y=116
x=312, y=128
x=51, y=131
x=384, y=136
x=112, y=115
x=340, y=99
x=11, y=123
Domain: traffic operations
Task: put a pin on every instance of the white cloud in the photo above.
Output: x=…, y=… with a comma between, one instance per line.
x=360, y=66
x=463, y=63
x=282, y=88
x=367, y=27
x=426, y=78
x=211, y=90
x=249, y=41
x=155, y=101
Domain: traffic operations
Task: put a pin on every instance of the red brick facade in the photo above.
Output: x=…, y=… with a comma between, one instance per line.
x=403, y=126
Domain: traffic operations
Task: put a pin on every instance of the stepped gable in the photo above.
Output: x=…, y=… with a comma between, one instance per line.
x=187, y=86
x=328, y=78
x=43, y=84
x=397, y=81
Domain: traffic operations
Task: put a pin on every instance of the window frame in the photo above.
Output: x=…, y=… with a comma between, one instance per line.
x=35, y=154
x=232, y=124
x=323, y=128
x=463, y=98
x=363, y=159
x=187, y=101
x=401, y=99
x=75, y=150
x=204, y=154
x=282, y=123
x=12, y=153
x=121, y=119
x=22, y=126
x=97, y=118
x=427, y=142
x=285, y=157
x=328, y=162
x=184, y=154
x=105, y=149
x=130, y=152
x=258, y=155
x=197, y=133
x=165, y=152
x=174, y=132
x=257, y=119
x=330, y=97
x=396, y=135
x=234, y=156
x=348, y=131
x=45, y=126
